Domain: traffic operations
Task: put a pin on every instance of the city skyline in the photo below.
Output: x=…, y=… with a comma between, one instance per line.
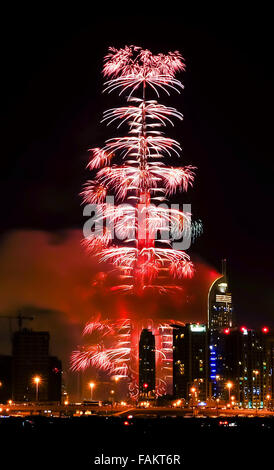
x=114, y=341
x=207, y=362
x=50, y=243
x=54, y=152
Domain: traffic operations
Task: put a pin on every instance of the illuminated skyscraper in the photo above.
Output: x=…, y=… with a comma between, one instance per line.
x=190, y=360
x=247, y=364
x=244, y=357
x=220, y=311
x=269, y=346
x=147, y=366
x=220, y=318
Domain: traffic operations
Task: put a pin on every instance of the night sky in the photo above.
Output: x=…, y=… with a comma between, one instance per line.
x=51, y=110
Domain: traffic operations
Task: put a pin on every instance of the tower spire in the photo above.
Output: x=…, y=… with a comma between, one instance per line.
x=224, y=273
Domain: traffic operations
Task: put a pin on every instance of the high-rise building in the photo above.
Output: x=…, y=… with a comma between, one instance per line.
x=30, y=358
x=244, y=357
x=190, y=361
x=217, y=361
x=147, y=366
x=220, y=318
x=269, y=345
x=5, y=378
x=220, y=311
x=164, y=370
x=30, y=350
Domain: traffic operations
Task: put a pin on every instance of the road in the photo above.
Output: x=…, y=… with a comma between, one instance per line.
x=124, y=411
x=168, y=411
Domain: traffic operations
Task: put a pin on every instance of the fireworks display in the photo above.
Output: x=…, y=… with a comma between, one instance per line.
x=135, y=235
x=133, y=169
x=113, y=348
x=112, y=359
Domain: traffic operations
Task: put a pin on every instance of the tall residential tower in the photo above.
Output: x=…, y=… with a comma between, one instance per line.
x=220, y=311
x=147, y=366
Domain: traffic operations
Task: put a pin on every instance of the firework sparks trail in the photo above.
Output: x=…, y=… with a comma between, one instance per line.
x=121, y=359
x=142, y=177
x=135, y=170
x=114, y=359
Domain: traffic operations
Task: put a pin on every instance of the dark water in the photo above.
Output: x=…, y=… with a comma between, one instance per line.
x=39, y=442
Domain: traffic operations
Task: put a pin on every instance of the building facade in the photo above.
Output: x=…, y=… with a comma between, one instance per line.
x=244, y=358
x=30, y=359
x=220, y=310
x=220, y=319
x=147, y=364
x=190, y=361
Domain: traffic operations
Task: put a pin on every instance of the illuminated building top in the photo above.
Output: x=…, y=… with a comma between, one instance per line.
x=220, y=303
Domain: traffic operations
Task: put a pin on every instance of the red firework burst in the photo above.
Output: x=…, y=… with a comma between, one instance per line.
x=141, y=178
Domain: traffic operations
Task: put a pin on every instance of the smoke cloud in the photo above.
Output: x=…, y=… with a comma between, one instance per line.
x=51, y=277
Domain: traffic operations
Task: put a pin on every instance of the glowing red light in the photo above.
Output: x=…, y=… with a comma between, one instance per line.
x=126, y=423
x=227, y=331
x=140, y=177
x=243, y=328
x=136, y=169
x=265, y=329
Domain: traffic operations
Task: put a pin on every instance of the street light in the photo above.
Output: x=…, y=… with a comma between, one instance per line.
x=218, y=400
x=229, y=386
x=37, y=381
x=193, y=391
x=91, y=386
x=112, y=392
x=268, y=397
